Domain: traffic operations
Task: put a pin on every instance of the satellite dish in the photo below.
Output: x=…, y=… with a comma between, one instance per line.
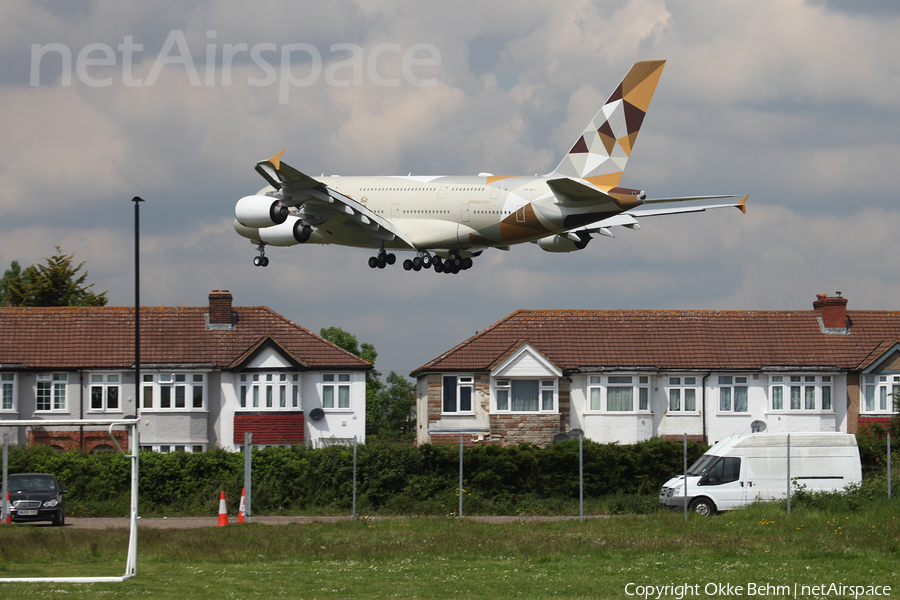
x=758, y=426
x=560, y=437
x=576, y=433
x=317, y=414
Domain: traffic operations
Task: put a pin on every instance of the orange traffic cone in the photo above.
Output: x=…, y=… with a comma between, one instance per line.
x=241, y=510
x=223, y=515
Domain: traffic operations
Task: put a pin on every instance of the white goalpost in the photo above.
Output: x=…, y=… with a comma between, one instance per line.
x=131, y=561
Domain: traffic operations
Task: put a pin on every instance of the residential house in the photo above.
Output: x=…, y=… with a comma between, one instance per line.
x=629, y=375
x=208, y=375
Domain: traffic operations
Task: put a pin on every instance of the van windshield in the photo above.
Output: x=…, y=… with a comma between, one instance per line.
x=703, y=463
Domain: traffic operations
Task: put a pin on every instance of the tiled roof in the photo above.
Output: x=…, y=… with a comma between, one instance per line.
x=676, y=339
x=76, y=337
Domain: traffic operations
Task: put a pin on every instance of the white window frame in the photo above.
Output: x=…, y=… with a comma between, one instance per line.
x=679, y=388
x=598, y=386
x=8, y=392
x=174, y=387
x=275, y=391
x=736, y=382
x=331, y=388
x=168, y=448
x=463, y=391
x=547, y=399
x=879, y=388
x=801, y=393
x=56, y=385
x=106, y=384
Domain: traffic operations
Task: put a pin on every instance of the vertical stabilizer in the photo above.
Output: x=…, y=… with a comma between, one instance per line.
x=601, y=152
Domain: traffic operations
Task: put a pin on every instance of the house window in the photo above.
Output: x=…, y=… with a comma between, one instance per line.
x=457, y=393
x=733, y=394
x=801, y=393
x=51, y=391
x=7, y=391
x=269, y=391
x=336, y=390
x=105, y=392
x=525, y=395
x=623, y=393
x=879, y=393
x=173, y=391
x=682, y=395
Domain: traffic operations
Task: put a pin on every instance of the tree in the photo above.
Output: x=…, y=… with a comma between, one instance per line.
x=13, y=272
x=389, y=408
x=56, y=283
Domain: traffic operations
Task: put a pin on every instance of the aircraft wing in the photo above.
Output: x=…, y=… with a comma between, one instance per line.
x=630, y=219
x=319, y=204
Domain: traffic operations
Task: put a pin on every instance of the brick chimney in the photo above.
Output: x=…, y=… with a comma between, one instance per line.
x=833, y=311
x=220, y=307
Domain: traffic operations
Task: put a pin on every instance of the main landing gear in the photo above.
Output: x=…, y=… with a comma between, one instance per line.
x=382, y=260
x=453, y=263
x=261, y=260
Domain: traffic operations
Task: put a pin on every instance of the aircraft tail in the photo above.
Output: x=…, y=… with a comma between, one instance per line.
x=600, y=154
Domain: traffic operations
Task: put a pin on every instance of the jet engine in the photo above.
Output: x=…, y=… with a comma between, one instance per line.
x=292, y=231
x=564, y=243
x=260, y=211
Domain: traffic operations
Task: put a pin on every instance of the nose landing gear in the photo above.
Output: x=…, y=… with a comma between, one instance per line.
x=261, y=260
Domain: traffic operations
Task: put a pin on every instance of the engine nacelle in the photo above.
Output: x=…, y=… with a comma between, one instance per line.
x=562, y=243
x=260, y=211
x=293, y=231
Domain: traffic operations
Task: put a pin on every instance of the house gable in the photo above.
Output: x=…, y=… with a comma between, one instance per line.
x=885, y=360
x=270, y=355
x=526, y=361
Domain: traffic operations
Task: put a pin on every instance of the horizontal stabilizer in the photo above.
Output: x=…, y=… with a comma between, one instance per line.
x=568, y=192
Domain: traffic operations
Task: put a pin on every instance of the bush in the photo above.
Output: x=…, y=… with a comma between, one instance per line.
x=397, y=479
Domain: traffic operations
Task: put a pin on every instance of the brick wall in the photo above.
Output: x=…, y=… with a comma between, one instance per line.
x=270, y=428
x=852, y=402
x=532, y=428
x=72, y=440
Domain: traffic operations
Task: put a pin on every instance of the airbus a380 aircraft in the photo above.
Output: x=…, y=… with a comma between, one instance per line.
x=447, y=220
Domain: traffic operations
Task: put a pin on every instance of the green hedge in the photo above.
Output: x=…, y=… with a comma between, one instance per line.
x=390, y=478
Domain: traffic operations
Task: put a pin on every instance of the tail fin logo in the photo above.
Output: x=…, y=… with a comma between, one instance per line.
x=601, y=152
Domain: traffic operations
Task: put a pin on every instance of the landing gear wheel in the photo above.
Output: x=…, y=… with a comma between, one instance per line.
x=438, y=267
x=373, y=262
x=381, y=261
x=407, y=265
x=426, y=261
x=261, y=261
x=467, y=264
x=390, y=258
x=703, y=506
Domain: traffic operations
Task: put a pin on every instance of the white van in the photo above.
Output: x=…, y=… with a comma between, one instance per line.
x=744, y=468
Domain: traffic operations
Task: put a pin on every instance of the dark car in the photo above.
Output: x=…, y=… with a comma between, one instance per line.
x=36, y=497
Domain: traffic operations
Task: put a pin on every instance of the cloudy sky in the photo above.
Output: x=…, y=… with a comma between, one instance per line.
x=796, y=103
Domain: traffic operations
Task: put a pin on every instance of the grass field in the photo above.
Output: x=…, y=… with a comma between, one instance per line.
x=449, y=558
